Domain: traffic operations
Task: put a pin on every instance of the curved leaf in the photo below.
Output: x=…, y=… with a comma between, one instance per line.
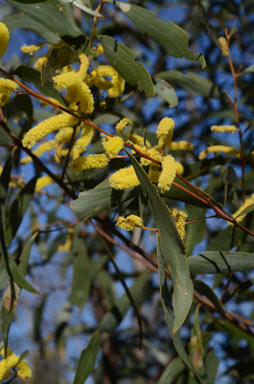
x=166, y=92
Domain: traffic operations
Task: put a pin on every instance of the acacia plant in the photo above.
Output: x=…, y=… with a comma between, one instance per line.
x=126, y=188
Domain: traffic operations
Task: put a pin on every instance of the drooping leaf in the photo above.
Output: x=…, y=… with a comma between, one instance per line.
x=167, y=34
x=195, y=231
x=171, y=247
x=166, y=92
x=123, y=60
x=25, y=255
x=191, y=82
x=204, y=289
x=31, y=75
x=212, y=364
x=5, y=179
x=87, y=359
x=221, y=262
x=172, y=371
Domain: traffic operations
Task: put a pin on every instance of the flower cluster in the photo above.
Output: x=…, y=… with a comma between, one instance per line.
x=12, y=362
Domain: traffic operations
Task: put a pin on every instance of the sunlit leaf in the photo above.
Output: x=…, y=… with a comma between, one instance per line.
x=166, y=92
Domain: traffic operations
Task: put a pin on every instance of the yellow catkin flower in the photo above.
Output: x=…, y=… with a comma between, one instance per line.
x=153, y=153
x=100, y=49
x=122, y=124
x=83, y=141
x=43, y=182
x=181, y=146
x=129, y=223
x=31, y=49
x=4, y=38
x=223, y=128
x=6, y=88
x=154, y=173
x=179, y=168
x=218, y=149
x=237, y=215
x=124, y=178
x=11, y=361
x=78, y=91
x=40, y=62
x=112, y=145
x=139, y=140
x=45, y=127
x=65, y=135
x=84, y=64
x=165, y=131
x=89, y=162
x=115, y=86
x=180, y=221
x=167, y=174
x=44, y=147
x=223, y=46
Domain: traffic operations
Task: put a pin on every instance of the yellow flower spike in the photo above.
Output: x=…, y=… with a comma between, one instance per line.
x=223, y=46
x=65, y=135
x=218, y=149
x=180, y=221
x=84, y=64
x=43, y=182
x=237, y=215
x=124, y=178
x=10, y=362
x=78, y=91
x=112, y=145
x=89, y=162
x=153, y=153
x=154, y=173
x=115, y=86
x=30, y=49
x=129, y=223
x=122, y=124
x=6, y=88
x=44, y=147
x=83, y=141
x=179, y=168
x=181, y=146
x=223, y=128
x=139, y=140
x=4, y=38
x=165, y=131
x=40, y=62
x=167, y=174
x=47, y=126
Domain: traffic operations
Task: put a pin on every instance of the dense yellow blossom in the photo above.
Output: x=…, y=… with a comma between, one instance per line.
x=44, y=147
x=181, y=146
x=100, y=49
x=30, y=49
x=40, y=62
x=11, y=361
x=4, y=38
x=179, y=168
x=84, y=64
x=224, y=128
x=165, y=131
x=45, y=127
x=112, y=145
x=129, y=223
x=180, y=221
x=223, y=46
x=83, y=141
x=218, y=148
x=153, y=153
x=167, y=174
x=65, y=135
x=124, y=178
x=6, y=88
x=78, y=91
x=122, y=124
x=89, y=162
x=237, y=215
x=154, y=173
x=115, y=86
x=139, y=140
x=43, y=182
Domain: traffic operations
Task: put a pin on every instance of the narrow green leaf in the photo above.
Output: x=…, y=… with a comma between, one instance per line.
x=172, y=371
x=138, y=291
x=31, y=75
x=169, y=314
x=221, y=262
x=171, y=247
x=5, y=179
x=212, y=365
x=87, y=359
x=204, y=289
x=191, y=82
x=18, y=276
x=166, y=92
x=167, y=34
x=195, y=231
x=24, y=258
x=249, y=69
x=123, y=60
